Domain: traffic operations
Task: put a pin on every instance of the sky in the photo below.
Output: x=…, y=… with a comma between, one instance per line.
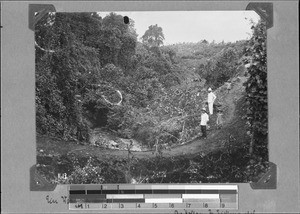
x=194, y=26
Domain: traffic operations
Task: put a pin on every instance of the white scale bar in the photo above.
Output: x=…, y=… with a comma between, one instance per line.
x=163, y=200
x=209, y=187
x=124, y=196
x=200, y=196
x=158, y=186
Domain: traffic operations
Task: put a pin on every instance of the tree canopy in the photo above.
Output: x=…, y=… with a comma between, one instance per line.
x=153, y=36
x=85, y=52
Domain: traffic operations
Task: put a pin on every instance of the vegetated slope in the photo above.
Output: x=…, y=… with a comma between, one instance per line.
x=161, y=106
x=223, y=156
x=85, y=163
x=233, y=126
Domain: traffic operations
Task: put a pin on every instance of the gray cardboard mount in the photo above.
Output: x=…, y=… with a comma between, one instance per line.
x=18, y=147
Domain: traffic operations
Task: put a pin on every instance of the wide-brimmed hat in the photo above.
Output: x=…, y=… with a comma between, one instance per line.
x=203, y=109
x=209, y=89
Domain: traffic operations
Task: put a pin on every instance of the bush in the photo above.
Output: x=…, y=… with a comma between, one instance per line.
x=220, y=68
x=145, y=135
x=89, y=174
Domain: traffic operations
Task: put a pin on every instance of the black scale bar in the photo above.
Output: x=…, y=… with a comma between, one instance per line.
x=127, y=200
x=77, y=192
x=143, y=191
x=94, y=191
x=158, y=191
x=102, y=199
x=132, y=191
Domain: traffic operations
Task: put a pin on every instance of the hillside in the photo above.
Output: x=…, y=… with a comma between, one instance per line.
x=231, y=137
x=112, y=109
x=228, y=101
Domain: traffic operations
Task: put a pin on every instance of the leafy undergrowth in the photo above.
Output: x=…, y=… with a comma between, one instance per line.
x=230, y=165
x=224, y=158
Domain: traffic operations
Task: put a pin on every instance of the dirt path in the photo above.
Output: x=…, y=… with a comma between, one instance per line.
x=194, y=147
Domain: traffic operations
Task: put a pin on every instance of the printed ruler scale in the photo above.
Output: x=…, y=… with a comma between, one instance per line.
x=146, y=196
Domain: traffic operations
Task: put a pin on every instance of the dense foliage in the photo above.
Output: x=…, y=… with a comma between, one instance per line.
x=220, y=68
x=92, y=72
x=229, y=165
x=82, y=60
x=256, y=89
x=77, y=54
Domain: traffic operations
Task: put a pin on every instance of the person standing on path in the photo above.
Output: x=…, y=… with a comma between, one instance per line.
x=210, y=100
x=203, y=123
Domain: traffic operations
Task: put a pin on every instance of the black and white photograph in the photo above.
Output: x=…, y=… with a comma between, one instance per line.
x=151, y=97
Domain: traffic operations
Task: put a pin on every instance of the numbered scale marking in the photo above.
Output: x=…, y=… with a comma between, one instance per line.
x=141, y=196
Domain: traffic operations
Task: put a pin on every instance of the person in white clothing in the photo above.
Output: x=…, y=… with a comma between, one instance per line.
x=210, y=101
x=203, y=123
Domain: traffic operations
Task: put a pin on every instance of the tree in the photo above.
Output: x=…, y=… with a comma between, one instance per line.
x=64, y=73
x=220, y=67
x=117, y=41
x=204, y=41
x=153, y=36
x=226, y=65
x=74, y=53
x=256, y=88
